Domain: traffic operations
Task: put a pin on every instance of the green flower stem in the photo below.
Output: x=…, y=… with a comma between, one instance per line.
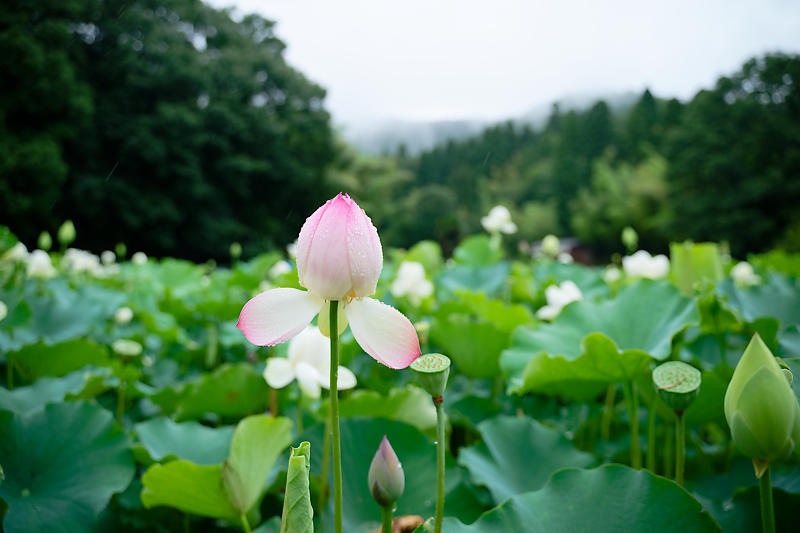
x=632, y=401
x=440, y=448
x=668, y=462
x=608, y=412
x=680, y=447
x=324, y=490
x=386, y=519
x=767, y=511
x=651, y=438
x=245, y=523
x=337, y=451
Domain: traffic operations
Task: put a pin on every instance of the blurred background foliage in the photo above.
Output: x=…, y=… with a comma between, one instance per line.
x=167, y=125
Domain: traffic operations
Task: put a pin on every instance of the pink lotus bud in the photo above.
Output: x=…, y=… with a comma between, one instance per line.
x=338, y=251
x=386, y=478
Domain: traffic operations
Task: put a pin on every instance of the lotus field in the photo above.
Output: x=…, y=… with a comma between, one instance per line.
x=342, y=386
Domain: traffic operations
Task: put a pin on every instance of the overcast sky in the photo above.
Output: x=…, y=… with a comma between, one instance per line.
x=495, y=59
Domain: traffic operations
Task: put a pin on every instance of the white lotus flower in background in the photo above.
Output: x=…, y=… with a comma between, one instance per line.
x=291, y=249
x=744, y=275
x=40, y=265
x=82, y=261
x=139, y=258
x=612, y=274
x=558, y=297
x=17, y=253
x=123, y=315
x=280, y=268
x=643, y=265
x=309, y=362
x=3, y=310
x=565, y=258
x=498, y=221
x=108, y=257
x=410, y=281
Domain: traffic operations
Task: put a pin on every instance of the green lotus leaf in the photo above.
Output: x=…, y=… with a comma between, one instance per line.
x=610, y=498
x=409, y=404
x=640, y=321
x=84, y=383
x=189, y=487
x=778, y=297
x=589, y=280
x=490, y=280
x=202, y=445
x=37, y=360
x=62, y=464
x=497, y=463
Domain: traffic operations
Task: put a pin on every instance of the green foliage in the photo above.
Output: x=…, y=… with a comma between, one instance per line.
x=164, y=439
x=62, y=464
x=495, y=461
x=596, y=500
x=171, y=128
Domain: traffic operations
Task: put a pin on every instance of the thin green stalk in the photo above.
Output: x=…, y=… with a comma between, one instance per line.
x=386, y=519
x=337, y=451
x=680, y=447
x=608, y=412
x=440, y=448
x=668, y=462
x=324, y=490
x=632, y=401
x=767, y=511
x=245, y=523
x=121, y=395
x=651, y=438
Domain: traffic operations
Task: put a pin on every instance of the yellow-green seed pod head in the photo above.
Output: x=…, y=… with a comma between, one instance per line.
x=760, y=407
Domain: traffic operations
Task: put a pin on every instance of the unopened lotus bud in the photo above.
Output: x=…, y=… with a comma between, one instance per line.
x=760, y=407
x=121, y=250
x=630, y=238
x=551, y=246
x=432, y=371
x=235, y=250
x=677, y=384
x=126, y=348
x=386, y=478
x=45, y=241
x=66, y=233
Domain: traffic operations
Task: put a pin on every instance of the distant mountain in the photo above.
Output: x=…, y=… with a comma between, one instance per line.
x=386, y=136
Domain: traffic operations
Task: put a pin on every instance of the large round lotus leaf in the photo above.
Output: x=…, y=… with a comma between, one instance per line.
x=84, y=383
x=360, y=439
x=40, y=359
x=477, y=250
x=778, y=298
x=62, y=464
x=232, y=391
x=611, y=498
x=559, y=357
x=495, y=462
x=199, y=444
x=488, y=279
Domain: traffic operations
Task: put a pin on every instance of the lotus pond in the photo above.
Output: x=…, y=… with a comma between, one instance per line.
x=131, y=402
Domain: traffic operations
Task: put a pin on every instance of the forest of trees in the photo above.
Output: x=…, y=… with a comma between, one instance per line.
x=166, y=125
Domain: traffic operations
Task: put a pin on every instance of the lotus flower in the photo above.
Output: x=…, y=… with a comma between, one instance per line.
x=744, y=275
x=411, y=282
x=499, y=221
x=643, y=265
x=309, y=362
x=339, y=257
x=40, y=265
x=558, y=297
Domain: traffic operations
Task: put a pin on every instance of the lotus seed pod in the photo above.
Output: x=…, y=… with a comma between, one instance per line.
x=386, y=477
x=760, y=407
x=551, y=245
x=432, y=372
x=324, y=320
x=677, y=384
x=235, y=250
x=630, y=238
